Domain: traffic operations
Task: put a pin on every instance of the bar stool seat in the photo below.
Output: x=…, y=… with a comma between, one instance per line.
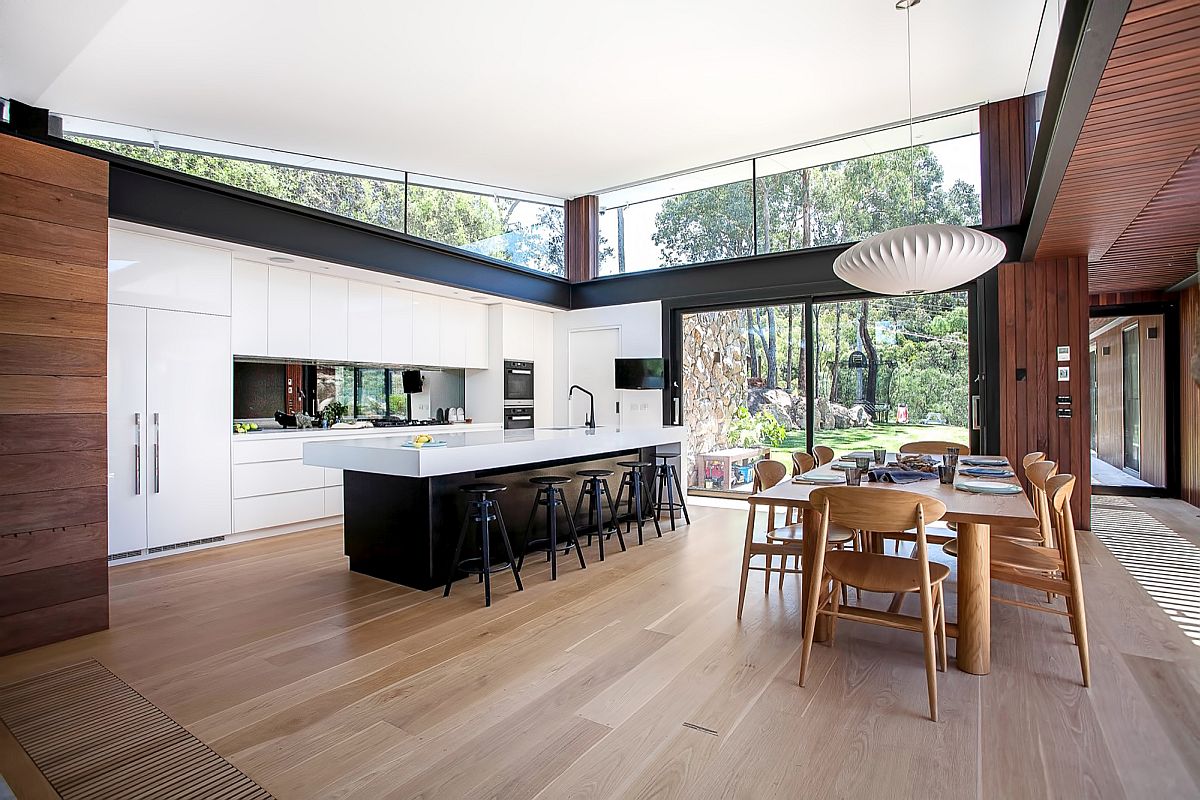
x=636, y=501
x=553, y=498
x=667, y=478
x=482, y=510
x=595, y=489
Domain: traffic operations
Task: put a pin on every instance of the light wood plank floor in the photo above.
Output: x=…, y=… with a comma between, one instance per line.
x=630, y=679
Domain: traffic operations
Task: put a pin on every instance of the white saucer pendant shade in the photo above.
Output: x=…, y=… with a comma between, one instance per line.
x=918, y=259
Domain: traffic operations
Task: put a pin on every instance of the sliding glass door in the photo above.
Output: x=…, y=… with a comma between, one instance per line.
x=881, y=371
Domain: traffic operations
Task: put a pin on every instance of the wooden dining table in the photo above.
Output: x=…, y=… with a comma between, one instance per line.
x=974, y=514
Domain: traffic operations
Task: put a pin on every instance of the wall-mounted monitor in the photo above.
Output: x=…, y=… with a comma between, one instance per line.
x=640, y=373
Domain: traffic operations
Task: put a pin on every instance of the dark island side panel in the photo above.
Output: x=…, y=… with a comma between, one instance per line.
x=404, y=530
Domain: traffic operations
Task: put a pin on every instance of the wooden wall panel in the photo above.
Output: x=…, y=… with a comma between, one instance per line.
x=1189, y=407
x=583, y=238
x=1043, y=305
x=1110, y=414
x=1005, y=150
x=53, y=456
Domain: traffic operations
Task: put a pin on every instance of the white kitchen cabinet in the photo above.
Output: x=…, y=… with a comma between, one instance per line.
x=426, y=331
x=127, y=425
x=153, y=272
x=396, y=326
x=189, y=396
x=453, y=333
x=519, y=324
x=328, y=306
x=335, y=504
x=171, y=372
x=287, y=313
x=248, y=308
x=475, y=335
x=543, y=367
x=364, y=338
x=271, y=510
x=275, y=477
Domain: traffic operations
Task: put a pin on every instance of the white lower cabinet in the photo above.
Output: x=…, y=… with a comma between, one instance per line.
x=272, y=510
x=272, y=485
x=170, y=390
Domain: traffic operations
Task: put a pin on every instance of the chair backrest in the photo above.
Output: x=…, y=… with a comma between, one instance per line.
x=802, y=462
x=934, y=448
x=1039, y=473
x=823, y=454
x=1059, y=489
x=1032, y=458
x=768, y=473
x=874, y=510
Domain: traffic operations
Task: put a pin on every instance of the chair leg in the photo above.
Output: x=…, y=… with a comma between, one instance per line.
x=613, y=511
x=621, y=496
x=810, y=622
x=940, y=615
x=927, y=629
x=682, y=503
x=529, y=527
x=1079, y=628
x=457, y=552
x=670, y=494
x=649, y=501
x=837, y=590
x=486, y=552
x=512, y=562
x=571, y=528
x=782, y=569
x=767, y=572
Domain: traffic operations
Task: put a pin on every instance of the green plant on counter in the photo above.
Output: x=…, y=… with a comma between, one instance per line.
x=334, y=412
x=761, y=428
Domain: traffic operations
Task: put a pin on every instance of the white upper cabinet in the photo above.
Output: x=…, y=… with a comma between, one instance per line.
x=519, y=334
x=475, y=335
x=249, y=308
x=454, y=333
x=153, y=272
x=328, y=317
x=397, y=326
x=287, y=313
x=543, y=367
x=365, y=328
x=426, y=330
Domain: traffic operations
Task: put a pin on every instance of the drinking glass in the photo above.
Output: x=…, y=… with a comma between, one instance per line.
x=863, y=463
x=880, y=455
x=853, y=476
x=945, y=473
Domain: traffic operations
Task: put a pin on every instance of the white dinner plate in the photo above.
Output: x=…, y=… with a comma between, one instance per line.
x=819, y=477
x=843, y=465
x=988, y=487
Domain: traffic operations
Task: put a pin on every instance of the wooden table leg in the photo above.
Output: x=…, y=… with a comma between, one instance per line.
x=974, y=652
x=746, y=559
x=812, y=522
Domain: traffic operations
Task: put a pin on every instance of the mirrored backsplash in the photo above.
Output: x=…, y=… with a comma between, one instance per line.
x=367, y=391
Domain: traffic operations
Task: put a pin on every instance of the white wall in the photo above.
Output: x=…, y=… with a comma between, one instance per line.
x=640, y=327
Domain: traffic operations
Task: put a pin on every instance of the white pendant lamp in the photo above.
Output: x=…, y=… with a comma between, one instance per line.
x=917, y=259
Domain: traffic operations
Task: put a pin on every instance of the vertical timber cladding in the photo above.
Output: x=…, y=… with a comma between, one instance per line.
x=1006, y=133
x=1044, y=306
x=582, y=243
x=53, y=394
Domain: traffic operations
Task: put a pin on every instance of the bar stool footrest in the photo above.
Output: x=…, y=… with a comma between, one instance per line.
x=474, y=566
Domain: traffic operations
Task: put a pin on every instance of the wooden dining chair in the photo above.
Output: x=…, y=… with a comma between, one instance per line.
x=874, y=572
x=934, y=448
x=1050, y=569
x=823, y=454
x=802, y=462
x=1038, y=473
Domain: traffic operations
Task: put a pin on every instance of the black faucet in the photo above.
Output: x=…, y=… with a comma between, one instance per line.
x=590, y=419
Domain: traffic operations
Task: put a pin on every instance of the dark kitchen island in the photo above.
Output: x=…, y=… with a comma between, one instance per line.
x=403, y=507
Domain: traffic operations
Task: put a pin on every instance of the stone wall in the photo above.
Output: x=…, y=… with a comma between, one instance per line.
x=714, y=379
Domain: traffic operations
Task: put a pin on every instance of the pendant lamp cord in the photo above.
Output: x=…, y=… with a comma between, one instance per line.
x=912, y=156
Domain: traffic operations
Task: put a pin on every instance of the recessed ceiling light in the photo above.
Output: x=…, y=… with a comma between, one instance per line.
x=903, y=5
x=478, y=297
x=282, y=260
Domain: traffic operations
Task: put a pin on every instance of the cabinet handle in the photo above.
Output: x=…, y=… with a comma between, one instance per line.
x=521, y=371
x=156, y=443
x=137, y=454
x=974, y=412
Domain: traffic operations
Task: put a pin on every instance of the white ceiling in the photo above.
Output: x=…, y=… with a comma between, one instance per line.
x=561, y=98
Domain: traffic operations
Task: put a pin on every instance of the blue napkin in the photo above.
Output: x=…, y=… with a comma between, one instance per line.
x=893, y=475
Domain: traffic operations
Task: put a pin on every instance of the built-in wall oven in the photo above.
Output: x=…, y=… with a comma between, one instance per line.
x=517, y=417
x=518, y=383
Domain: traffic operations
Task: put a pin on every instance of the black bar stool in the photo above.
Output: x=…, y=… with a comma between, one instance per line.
x=667, y=477
x=595, y=489
x=636, y=501
x=553, y=498
x=483, y=510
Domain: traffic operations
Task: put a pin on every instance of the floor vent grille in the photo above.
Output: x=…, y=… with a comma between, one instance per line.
x=178, y=545
x=118, y=557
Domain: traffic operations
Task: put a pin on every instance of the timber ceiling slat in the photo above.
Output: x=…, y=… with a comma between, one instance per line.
x=1130, y=197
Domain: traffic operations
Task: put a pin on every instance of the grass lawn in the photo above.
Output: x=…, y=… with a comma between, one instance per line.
x=844, y=440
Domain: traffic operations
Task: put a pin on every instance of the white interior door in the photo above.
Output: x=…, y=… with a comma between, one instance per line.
x=189, y=402
x=592, y=355
x=127, y=426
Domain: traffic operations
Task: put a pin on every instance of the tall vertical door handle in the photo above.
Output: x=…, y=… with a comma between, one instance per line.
x=137, y=454
x=156, y=448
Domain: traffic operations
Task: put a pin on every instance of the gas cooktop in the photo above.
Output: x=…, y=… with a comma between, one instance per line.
x=394, y=422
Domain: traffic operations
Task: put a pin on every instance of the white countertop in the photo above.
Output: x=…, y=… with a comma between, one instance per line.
x=479, y=450
x=320, y=433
